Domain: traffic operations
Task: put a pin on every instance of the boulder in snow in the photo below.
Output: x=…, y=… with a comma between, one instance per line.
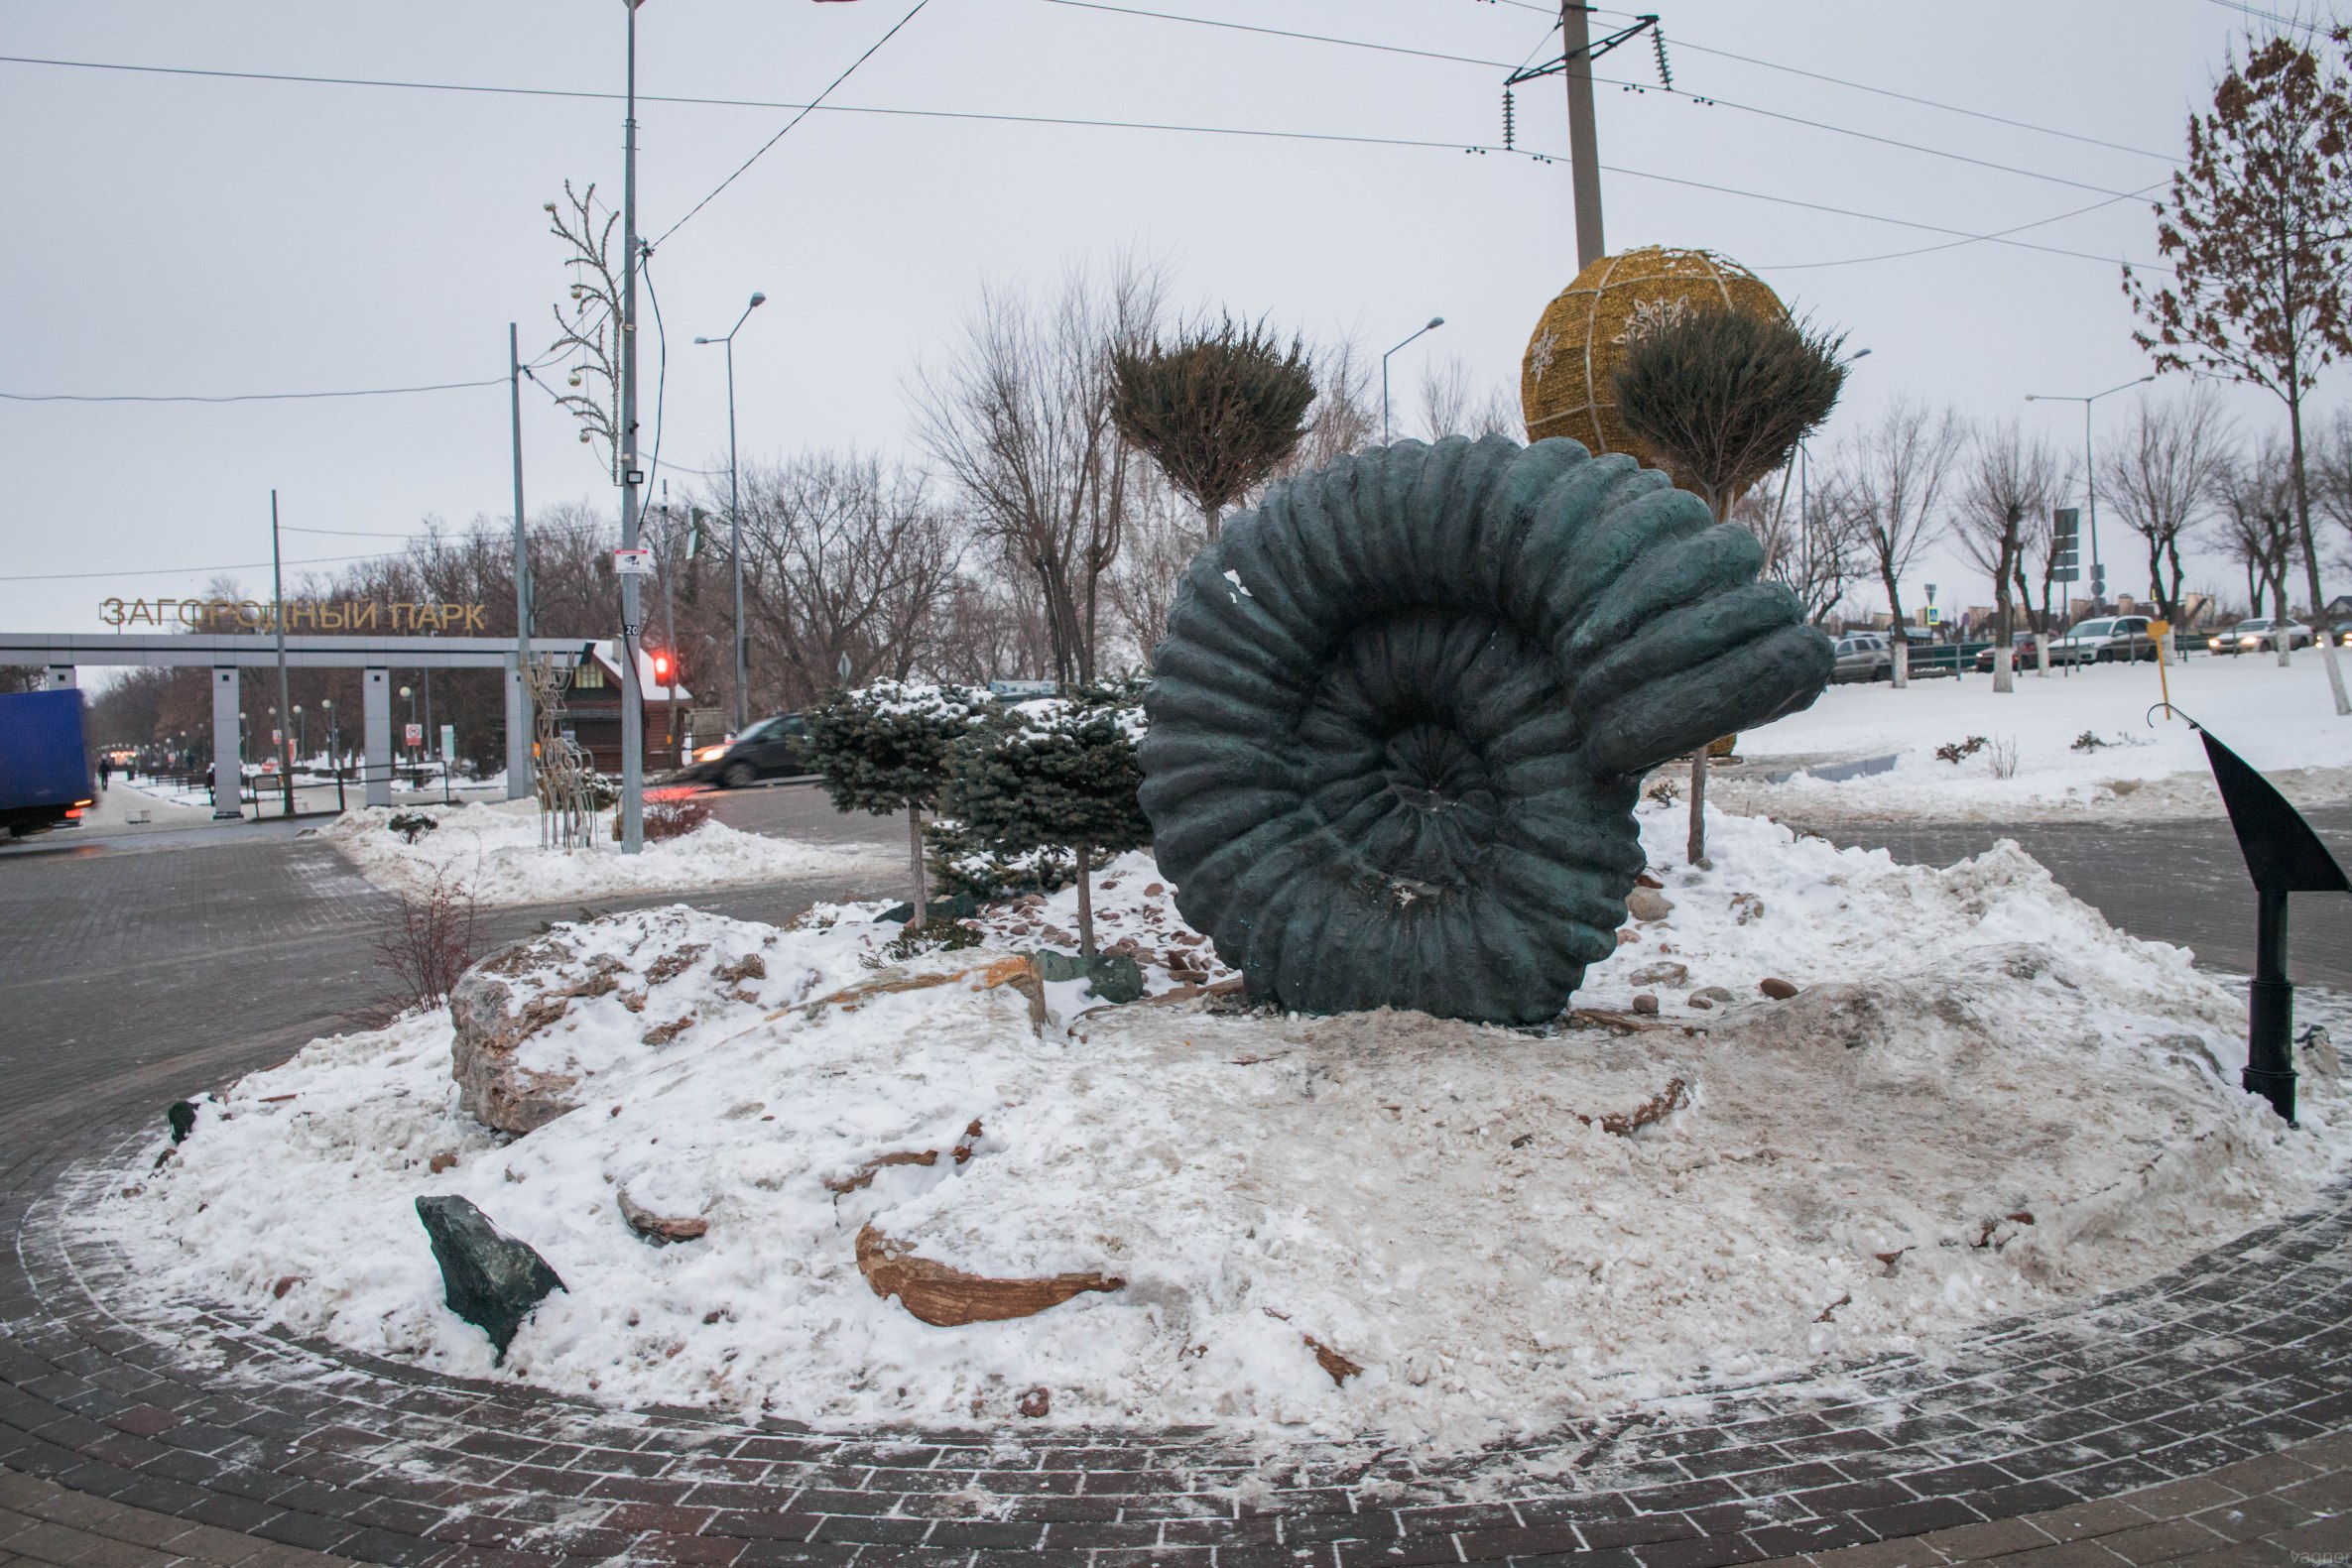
x=491, y=1280
x=1644, y=903
x=662, y=1229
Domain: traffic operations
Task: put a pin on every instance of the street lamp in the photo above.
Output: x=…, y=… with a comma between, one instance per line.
x=299, y=750
x=734, y=510
x=328, y=704
x=410, y=693
x=2090, y=483
x=1435, y=322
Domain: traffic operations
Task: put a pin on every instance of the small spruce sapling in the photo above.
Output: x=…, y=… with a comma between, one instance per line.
x=1061, y=771
x=885, y=749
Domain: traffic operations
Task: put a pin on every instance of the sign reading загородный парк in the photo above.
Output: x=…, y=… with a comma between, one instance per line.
x=348, y=615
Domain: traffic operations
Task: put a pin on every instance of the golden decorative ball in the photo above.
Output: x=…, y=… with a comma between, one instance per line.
x=1564, y=383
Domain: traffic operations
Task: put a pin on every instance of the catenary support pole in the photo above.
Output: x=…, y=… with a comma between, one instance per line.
x=285, y=719
x=632, y=687
x=375, y=706
x=518, y=701
x=1575, y=23
x=228, y=763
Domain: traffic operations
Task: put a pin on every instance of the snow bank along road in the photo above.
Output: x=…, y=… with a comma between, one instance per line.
x=137, y=977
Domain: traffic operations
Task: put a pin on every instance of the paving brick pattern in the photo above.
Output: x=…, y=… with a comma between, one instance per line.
x=2195, y=1417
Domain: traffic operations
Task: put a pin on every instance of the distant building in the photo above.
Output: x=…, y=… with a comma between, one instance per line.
x=591, y=709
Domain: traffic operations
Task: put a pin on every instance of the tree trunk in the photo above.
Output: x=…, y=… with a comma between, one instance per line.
x=1085, y=902
x=1899, y=639
x=1209, y=520
x=2004, y=611
x=915, y=857
x=2302, y=523
x=1695, y=850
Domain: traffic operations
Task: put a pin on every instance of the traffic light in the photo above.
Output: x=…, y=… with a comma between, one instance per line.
x=662, y=667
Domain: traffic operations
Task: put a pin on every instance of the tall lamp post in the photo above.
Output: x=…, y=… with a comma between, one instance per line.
x=2090, y=474
x=734, y=509
x=1435, y=322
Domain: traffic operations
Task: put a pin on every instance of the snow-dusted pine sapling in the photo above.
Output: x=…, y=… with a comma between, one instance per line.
x=1061, y=771
x=885, y=749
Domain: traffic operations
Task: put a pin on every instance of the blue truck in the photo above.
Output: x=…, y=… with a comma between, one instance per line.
x=44, y=763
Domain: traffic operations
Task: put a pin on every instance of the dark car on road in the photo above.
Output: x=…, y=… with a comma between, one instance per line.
x=2020, y=653
x=770, y=749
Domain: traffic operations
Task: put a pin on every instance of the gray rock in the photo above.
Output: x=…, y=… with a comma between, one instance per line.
x=955, y=907
x=1666, y=972
x=496, y=1005
x=1114, y=977
x=182, y=1114
x=1711, y=997
x=1402, y=711
x=1645, y=905
x=493, y=1282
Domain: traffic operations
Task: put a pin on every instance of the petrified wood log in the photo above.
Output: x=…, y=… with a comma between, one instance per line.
x=949, y=1297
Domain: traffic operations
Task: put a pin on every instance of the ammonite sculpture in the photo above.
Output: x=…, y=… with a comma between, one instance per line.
x=1403, y=708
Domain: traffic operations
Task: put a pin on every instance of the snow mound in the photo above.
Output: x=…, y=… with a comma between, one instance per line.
x=1982, y=1101
x=493, y=852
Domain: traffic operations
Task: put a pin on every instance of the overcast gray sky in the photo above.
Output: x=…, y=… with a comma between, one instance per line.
x=192, y=234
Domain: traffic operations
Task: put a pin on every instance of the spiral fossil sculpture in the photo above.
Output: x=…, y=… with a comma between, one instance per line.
x=1402, y=711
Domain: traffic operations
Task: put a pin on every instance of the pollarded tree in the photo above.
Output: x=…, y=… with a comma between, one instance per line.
x=1724, y=397
x=2005, y=489
x=1059, y=771
x=2160, y=476
x=885, y=748
x=2259, y=235
x=1217, y=410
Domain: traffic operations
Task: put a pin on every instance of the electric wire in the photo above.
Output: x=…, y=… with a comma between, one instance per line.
x=239, y=397
x=1928, y=249
x=809, y=108
x=1613, y=82
x=1160, y=126
x=1863, y=87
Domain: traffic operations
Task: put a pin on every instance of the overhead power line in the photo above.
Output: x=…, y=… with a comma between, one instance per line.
x=1996, y=235
x=1682, y=42
x=239, y=397
x=806, y=110
x=1336, y=138
x=1699, y=98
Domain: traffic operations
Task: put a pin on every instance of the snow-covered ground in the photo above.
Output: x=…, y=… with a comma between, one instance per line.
x=2283, y=721
x=494, y=853
x=1982, y=1101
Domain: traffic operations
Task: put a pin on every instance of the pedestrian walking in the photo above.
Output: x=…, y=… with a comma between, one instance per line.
x=105, y=770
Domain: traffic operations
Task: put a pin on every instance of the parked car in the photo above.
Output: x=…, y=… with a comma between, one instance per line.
x=2257, y=634
x=2020, y=653
x=770, y=749
x=2108, y=638
x=1863, y=656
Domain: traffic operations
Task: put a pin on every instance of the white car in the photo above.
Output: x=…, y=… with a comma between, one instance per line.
x=2110, y=636
x=2257, y=635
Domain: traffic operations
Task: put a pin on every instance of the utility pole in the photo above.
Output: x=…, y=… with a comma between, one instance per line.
x=514, y=383
x=285, y=702
x=632, y=688
x=1584, y=167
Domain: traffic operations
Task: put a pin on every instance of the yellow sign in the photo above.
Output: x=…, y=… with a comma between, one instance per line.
x=260, y=615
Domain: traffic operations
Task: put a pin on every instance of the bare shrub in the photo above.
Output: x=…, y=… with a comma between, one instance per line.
x=430, y=942
x=2002, y=754
x=665, y=819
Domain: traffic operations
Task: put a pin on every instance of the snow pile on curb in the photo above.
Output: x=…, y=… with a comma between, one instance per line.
x=493, y=852
x=1983, y=1101
x=2283, y=721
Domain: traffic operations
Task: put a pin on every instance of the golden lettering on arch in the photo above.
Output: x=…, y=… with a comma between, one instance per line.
x=303, y=615
x=110, y=611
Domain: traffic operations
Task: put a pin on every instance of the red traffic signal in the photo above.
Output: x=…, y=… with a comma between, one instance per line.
x=662, y=667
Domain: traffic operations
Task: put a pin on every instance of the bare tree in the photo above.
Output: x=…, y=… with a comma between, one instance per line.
x=1896, y=474
x=2158, y=476
x=842, y=556
x=1809, y=541
x=2008, y=483
x=1163, y=536
x=1344, y=419
x=2255, y=523
x=1020, y=417
x=1451, y=406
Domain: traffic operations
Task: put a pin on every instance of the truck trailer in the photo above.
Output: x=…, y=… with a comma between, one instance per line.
x=44, y=763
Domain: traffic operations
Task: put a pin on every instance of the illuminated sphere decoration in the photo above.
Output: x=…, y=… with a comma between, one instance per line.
x=1566, y=385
